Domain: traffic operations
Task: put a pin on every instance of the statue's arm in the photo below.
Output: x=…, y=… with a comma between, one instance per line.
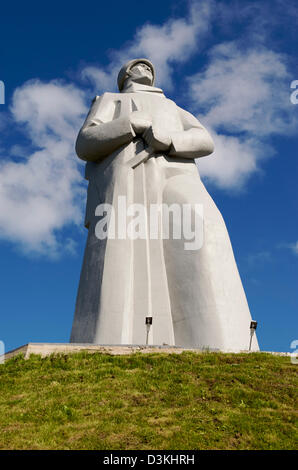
x=101, y=135
x=194, y=142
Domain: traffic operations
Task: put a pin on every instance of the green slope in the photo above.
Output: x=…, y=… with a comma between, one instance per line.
x=149, y=401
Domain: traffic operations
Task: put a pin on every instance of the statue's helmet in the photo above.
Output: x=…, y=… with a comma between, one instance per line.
x=125, y=71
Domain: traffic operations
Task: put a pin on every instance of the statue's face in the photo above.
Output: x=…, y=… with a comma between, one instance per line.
x=141, y=73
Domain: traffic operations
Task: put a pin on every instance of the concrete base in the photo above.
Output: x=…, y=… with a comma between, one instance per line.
x=46, y=349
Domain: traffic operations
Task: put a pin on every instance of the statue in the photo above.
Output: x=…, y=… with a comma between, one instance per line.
x=140, y=148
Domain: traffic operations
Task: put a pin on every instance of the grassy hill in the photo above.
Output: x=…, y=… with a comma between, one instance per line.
x=149, y=401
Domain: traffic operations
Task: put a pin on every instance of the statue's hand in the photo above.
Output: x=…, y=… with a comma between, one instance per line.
x=157, y=139
x=140, y=121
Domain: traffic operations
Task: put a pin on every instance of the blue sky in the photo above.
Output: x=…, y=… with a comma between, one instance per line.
x=230, y=63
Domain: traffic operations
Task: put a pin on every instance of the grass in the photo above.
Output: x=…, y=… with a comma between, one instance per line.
x=149, y=401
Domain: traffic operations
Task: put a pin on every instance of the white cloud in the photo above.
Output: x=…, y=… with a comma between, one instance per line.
x=48, y=110
x=233, y=160
x=244, y=91
x=294, y=248
x=291, y=246
x=101, y=79
x=18, y=151
x=42, y=194
x=243, y=97
x=259, y=259
x=167, y=44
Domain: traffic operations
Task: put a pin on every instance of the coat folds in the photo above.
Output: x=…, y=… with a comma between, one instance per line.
x=195, y=297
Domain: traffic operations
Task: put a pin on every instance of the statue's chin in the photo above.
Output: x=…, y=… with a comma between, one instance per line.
x=142, y=80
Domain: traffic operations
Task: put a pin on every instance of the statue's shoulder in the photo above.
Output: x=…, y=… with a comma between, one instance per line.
x=106, y=96
x=95, y=99
x=187, y=116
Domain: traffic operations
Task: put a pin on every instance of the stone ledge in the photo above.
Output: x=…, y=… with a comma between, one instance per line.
x=45, y=349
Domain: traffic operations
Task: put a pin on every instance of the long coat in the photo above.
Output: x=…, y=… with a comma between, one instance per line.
x=195, y=297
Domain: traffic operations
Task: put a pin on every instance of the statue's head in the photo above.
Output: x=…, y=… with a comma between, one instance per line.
x=137, y=70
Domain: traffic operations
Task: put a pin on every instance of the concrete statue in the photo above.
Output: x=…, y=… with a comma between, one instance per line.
x=140, y=149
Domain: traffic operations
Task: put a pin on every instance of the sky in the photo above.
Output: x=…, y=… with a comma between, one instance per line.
x=230, y=63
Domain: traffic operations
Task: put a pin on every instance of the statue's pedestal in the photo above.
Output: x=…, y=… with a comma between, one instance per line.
x=45, y=349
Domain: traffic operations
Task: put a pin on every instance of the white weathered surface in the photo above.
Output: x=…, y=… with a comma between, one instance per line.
x=196, y=298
